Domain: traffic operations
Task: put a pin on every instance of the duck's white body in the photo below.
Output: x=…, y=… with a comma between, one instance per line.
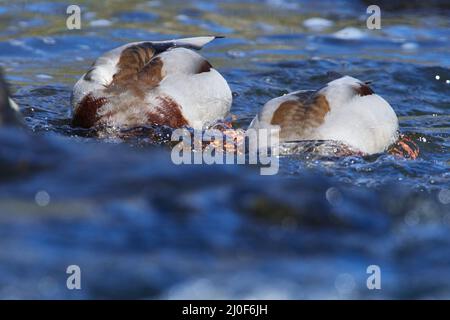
x=346, y=110
x=159, y=82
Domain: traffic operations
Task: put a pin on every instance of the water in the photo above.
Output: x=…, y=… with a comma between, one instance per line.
x=140, y=227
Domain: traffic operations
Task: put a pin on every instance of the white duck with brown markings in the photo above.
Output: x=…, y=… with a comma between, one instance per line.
x=152, y=82
x=346, y=110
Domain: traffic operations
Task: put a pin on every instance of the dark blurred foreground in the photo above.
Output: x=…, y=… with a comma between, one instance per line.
x=139, y=227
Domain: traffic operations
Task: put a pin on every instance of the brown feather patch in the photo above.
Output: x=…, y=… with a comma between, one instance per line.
x=86, y=113
x=298, y=117
x=364, y=90
x=205, y=66
x=168, y=113
x=131, y=62
x=139, y=76
x=151, y=75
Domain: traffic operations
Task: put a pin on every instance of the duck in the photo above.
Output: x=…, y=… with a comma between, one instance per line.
x=9, y=110
x=345, y=110
x=164, y=83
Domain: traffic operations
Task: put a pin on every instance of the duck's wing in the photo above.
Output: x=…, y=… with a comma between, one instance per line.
x=195, y=43
x=132, y=61
x=296, y=114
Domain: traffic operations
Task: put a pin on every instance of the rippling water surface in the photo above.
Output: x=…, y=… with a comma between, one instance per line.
x=141, y=227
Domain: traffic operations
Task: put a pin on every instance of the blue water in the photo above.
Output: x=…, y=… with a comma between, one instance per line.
x=140, y=227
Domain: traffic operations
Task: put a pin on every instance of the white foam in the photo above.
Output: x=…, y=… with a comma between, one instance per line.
x=410, y=46
x=100, y=23
x=317, y=24
x=349, y=33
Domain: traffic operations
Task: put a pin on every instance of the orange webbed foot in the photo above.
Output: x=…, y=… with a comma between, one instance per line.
x=405, y=147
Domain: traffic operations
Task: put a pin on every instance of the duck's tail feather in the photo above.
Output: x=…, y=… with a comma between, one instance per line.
x=195, y=43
